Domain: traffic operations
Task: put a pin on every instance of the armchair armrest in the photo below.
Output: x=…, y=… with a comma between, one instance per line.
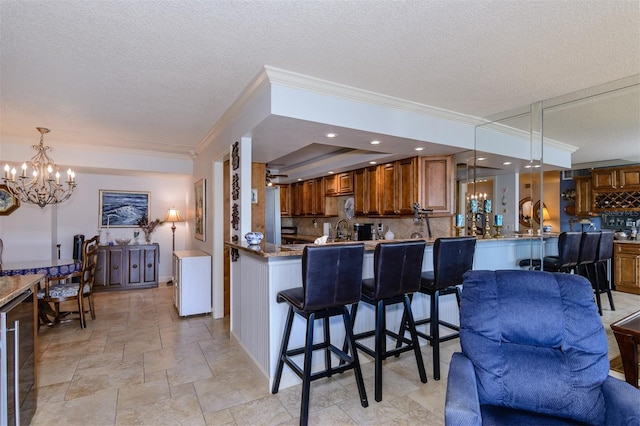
x=621, y=402
x=462, y=405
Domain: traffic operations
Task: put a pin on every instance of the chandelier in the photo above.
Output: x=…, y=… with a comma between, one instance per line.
x=43, y=186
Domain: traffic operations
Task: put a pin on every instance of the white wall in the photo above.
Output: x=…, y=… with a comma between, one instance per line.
x=31, y=233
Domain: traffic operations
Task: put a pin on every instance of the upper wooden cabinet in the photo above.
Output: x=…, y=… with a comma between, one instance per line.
x=584, y=198
x=399, y=187
x=285, y=199
x=619, y=178
x=437, y=183
x=339, y=184
x=366, y=187
x=308, y=199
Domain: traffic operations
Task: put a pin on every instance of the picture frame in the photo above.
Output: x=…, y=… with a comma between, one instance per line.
x=200, y=194
x=8, y=201
x=123, y=209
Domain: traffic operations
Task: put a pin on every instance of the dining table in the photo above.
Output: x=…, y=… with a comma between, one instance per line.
x=50, y=268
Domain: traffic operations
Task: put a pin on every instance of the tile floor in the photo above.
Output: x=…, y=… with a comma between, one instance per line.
x=139, y=363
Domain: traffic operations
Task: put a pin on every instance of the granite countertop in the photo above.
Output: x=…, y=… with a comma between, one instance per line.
x=11, y=287
x=286, y=250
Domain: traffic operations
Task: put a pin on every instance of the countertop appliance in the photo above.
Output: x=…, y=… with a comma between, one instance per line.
x=272, y=215
x=17, y=358
x=362, y=231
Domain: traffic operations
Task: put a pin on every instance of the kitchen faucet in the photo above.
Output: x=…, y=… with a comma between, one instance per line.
x=338, y=229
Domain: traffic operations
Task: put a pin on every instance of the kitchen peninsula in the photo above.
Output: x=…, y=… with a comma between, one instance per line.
x=260, y=272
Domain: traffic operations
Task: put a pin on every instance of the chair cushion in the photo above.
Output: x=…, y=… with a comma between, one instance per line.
x=63, y=290
x=536, y=342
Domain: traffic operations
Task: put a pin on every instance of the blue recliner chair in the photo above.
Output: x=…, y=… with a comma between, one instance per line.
x=534, y=352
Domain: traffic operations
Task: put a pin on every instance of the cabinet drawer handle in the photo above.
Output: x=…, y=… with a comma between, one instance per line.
x=134, y=266
x=115, y=266
x=149, y=265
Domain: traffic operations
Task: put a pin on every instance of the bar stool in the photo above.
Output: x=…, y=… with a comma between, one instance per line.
x=568, y=253
x=396, y=271
x=599, y=269
x=588, y=253
x=452, y=257
x=331, y=277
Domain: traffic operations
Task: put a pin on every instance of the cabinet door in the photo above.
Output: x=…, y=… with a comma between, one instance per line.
x=604, y=179
x=134, y=265
x=285, y=200
x=360, y=188
x=307, y=197
x=115, y=262
x=296, y=202
x=100, y=277
x=344, y=183
x=150, y=256
x=626, y=261
x=406, y=185
x=373, y=192
x=584, y=197
x=629, y=178
x=330, y=185
x=437, y=183
x=318, y=196
x=388, y=189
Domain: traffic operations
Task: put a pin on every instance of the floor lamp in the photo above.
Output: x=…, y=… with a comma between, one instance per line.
x=173, y=216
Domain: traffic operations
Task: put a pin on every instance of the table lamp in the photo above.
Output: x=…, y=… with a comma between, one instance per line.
x=173, y=216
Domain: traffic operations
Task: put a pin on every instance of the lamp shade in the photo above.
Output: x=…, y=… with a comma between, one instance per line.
x=545, y=214
x=173, y=215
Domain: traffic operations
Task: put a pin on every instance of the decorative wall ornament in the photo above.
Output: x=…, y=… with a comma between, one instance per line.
x=200, y=194
x=122, y=209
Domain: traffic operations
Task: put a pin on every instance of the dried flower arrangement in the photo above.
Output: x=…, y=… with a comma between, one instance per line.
x=148, y=227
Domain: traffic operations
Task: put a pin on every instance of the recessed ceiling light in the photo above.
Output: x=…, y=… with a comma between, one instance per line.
x=376, y=142
x=537, y=166
x=330, y=172
x=299, y=179
x=480, y=158
x=331, y=135
x=506, y=163
x=372, y=162
x=418, y=148
x=528, y=166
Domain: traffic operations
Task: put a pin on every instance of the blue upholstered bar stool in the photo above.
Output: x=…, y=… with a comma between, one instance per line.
x=600, y=282
x=396, y=269
x=568, y=253
x=452, y=257
x=331, y=279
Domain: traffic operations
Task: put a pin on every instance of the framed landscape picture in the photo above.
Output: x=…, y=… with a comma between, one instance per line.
x=200, y=189
x=122, y=209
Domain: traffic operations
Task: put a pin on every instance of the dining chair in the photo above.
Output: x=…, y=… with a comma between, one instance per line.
x=1, y=247
x=61, y=289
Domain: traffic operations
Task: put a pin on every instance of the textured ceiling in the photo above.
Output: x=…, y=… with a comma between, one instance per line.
x=158, y=75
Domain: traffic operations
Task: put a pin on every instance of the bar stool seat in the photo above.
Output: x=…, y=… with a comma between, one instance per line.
x=397, y=267
x=331, y=279
x=452, y=257
x=568, y=253
x=588, y=253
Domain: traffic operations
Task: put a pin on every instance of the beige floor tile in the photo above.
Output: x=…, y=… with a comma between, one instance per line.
x=173, y=411
x=111, y=375
x=58, y=371
x=229, y=390
x=219, y=418
x=97, y=409
x=143, y=394
x=263, y=411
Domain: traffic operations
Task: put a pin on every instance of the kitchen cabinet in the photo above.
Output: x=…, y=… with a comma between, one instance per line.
x=126, y=267
x=192, y=282
x=406, y=185
x=626, y=264
x=437, y=183
x=616, y=178
x=339, y=184
x=584, y=197
x=285, y=199
x=366, y=186
x=296, y=198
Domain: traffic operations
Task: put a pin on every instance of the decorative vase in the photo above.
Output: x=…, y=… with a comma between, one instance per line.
x=147, y=236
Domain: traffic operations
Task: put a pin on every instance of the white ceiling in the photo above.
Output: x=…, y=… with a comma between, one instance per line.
x=158, y=75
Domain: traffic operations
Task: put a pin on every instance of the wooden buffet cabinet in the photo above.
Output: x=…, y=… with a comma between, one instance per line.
x=388, y=189
x=127, y=267
x=626, y=264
